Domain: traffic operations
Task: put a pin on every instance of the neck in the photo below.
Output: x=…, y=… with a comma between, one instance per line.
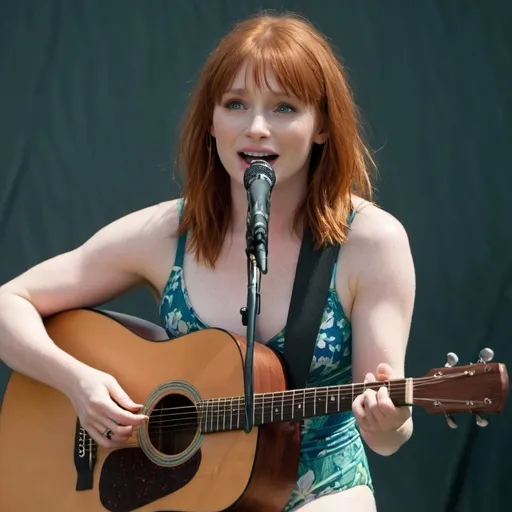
x=221, y=414
x=286, y=198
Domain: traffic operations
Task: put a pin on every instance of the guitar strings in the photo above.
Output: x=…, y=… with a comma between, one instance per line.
x=217, y=413
x=221, y=422
x=208, y=413
x=210, y=406
x=197, y=427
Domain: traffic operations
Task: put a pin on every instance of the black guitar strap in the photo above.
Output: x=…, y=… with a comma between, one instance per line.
x=309, y=296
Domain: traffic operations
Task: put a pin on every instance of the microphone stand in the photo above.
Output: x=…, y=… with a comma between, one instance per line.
x=249, y=314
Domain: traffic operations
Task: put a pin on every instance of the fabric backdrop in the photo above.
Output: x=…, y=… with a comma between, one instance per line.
x=91, y=96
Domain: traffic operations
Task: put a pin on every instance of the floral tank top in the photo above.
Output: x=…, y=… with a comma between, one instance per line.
x=332, y=454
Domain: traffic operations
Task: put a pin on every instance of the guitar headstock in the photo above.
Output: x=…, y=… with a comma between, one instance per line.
x=479, y=388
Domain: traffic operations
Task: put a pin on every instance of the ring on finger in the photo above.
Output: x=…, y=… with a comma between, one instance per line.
x=107, y=433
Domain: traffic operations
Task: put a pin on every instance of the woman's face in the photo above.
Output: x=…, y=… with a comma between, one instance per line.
x=254, y=122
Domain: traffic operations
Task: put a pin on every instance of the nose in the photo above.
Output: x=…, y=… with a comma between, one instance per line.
x=258, y=127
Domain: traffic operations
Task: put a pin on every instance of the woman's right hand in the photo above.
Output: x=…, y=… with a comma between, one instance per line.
x=102, y=404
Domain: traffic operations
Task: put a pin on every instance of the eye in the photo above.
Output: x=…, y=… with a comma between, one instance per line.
x=234, y=105
x=284, y=108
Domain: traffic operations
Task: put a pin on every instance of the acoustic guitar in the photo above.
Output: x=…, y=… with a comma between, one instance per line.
x=193, y=454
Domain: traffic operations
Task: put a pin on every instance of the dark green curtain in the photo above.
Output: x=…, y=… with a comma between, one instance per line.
x=91, y=96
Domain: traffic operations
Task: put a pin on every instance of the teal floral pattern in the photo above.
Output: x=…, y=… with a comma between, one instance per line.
x=332, y=456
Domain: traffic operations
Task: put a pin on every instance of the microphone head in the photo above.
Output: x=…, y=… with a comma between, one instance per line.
x=261, y=169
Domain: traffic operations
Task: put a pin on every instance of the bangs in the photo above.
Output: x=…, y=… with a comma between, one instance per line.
x=295, y=68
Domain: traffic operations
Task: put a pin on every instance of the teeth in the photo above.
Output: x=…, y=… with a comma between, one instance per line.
x=257, y=154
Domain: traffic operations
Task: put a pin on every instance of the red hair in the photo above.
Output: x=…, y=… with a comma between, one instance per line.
x=306, y=67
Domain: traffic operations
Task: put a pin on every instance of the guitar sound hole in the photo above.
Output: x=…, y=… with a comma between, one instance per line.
x=173, y=424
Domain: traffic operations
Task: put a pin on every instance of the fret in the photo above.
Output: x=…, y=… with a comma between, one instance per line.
x=212, y=414
x=231, y=414
x=238, y=413
x=218, y=413
x=282, y=405
x=224, y=400
x=303, y=403
x=262, y=408
x=269, y=412
x=326, y=399
x=339, y=388
x=293, y=405
x=310, y=409
x=204, y=408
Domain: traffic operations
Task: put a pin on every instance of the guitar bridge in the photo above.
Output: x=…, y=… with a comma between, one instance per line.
x=85, y=458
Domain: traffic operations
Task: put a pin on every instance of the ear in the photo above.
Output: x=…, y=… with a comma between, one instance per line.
x=212, y=130
x=321, y=137
x=321, y=134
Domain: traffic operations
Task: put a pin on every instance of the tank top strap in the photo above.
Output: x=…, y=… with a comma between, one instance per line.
x=334, y=270
x=182, y=240
x=351, y=216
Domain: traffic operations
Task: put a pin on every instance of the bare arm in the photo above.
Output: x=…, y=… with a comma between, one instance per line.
x=116, y=259
x=381, y=319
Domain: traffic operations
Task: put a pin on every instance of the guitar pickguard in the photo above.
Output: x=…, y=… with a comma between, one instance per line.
x=129, y=480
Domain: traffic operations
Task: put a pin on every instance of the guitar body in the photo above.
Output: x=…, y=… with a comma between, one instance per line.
x=230, y=470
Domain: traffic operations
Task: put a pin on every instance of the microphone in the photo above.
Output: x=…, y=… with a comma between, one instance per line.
x=259, y=180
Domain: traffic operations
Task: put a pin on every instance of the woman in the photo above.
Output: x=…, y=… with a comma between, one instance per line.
x=272, y=89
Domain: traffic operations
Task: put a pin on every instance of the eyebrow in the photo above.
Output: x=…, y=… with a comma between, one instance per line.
x=242, y=91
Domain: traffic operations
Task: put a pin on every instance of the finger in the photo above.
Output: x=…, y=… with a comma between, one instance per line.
x=114, y=439
x=384, y=372
x=96, y=432
x=121, y=397
x=359, y=413
x=386, y=405
x=371, y=407
x=121, y=432
x=369, y=377
x=121, y=416
x=357, y=408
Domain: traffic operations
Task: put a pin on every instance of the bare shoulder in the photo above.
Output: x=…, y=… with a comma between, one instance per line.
x=376, y=256
x=143, y=241
x=374, y=227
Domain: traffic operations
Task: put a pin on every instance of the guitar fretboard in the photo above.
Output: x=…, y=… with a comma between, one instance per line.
x=222, y=414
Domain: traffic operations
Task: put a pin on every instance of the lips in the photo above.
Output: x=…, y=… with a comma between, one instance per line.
x=249, y=156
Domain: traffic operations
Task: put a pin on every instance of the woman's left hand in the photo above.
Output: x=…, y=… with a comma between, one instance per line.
x=374, y=410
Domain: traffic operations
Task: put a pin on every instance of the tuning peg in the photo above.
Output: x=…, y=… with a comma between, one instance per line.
x=486, y=355
x=451, y=422
x=451, y=359
x=481, y=422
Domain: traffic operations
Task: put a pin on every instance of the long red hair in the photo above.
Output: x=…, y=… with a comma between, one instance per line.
x=306, y=67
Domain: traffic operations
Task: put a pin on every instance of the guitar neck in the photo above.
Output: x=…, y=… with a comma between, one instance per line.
x=223, y=414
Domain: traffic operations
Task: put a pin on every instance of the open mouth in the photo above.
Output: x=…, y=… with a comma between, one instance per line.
x=249, y=157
